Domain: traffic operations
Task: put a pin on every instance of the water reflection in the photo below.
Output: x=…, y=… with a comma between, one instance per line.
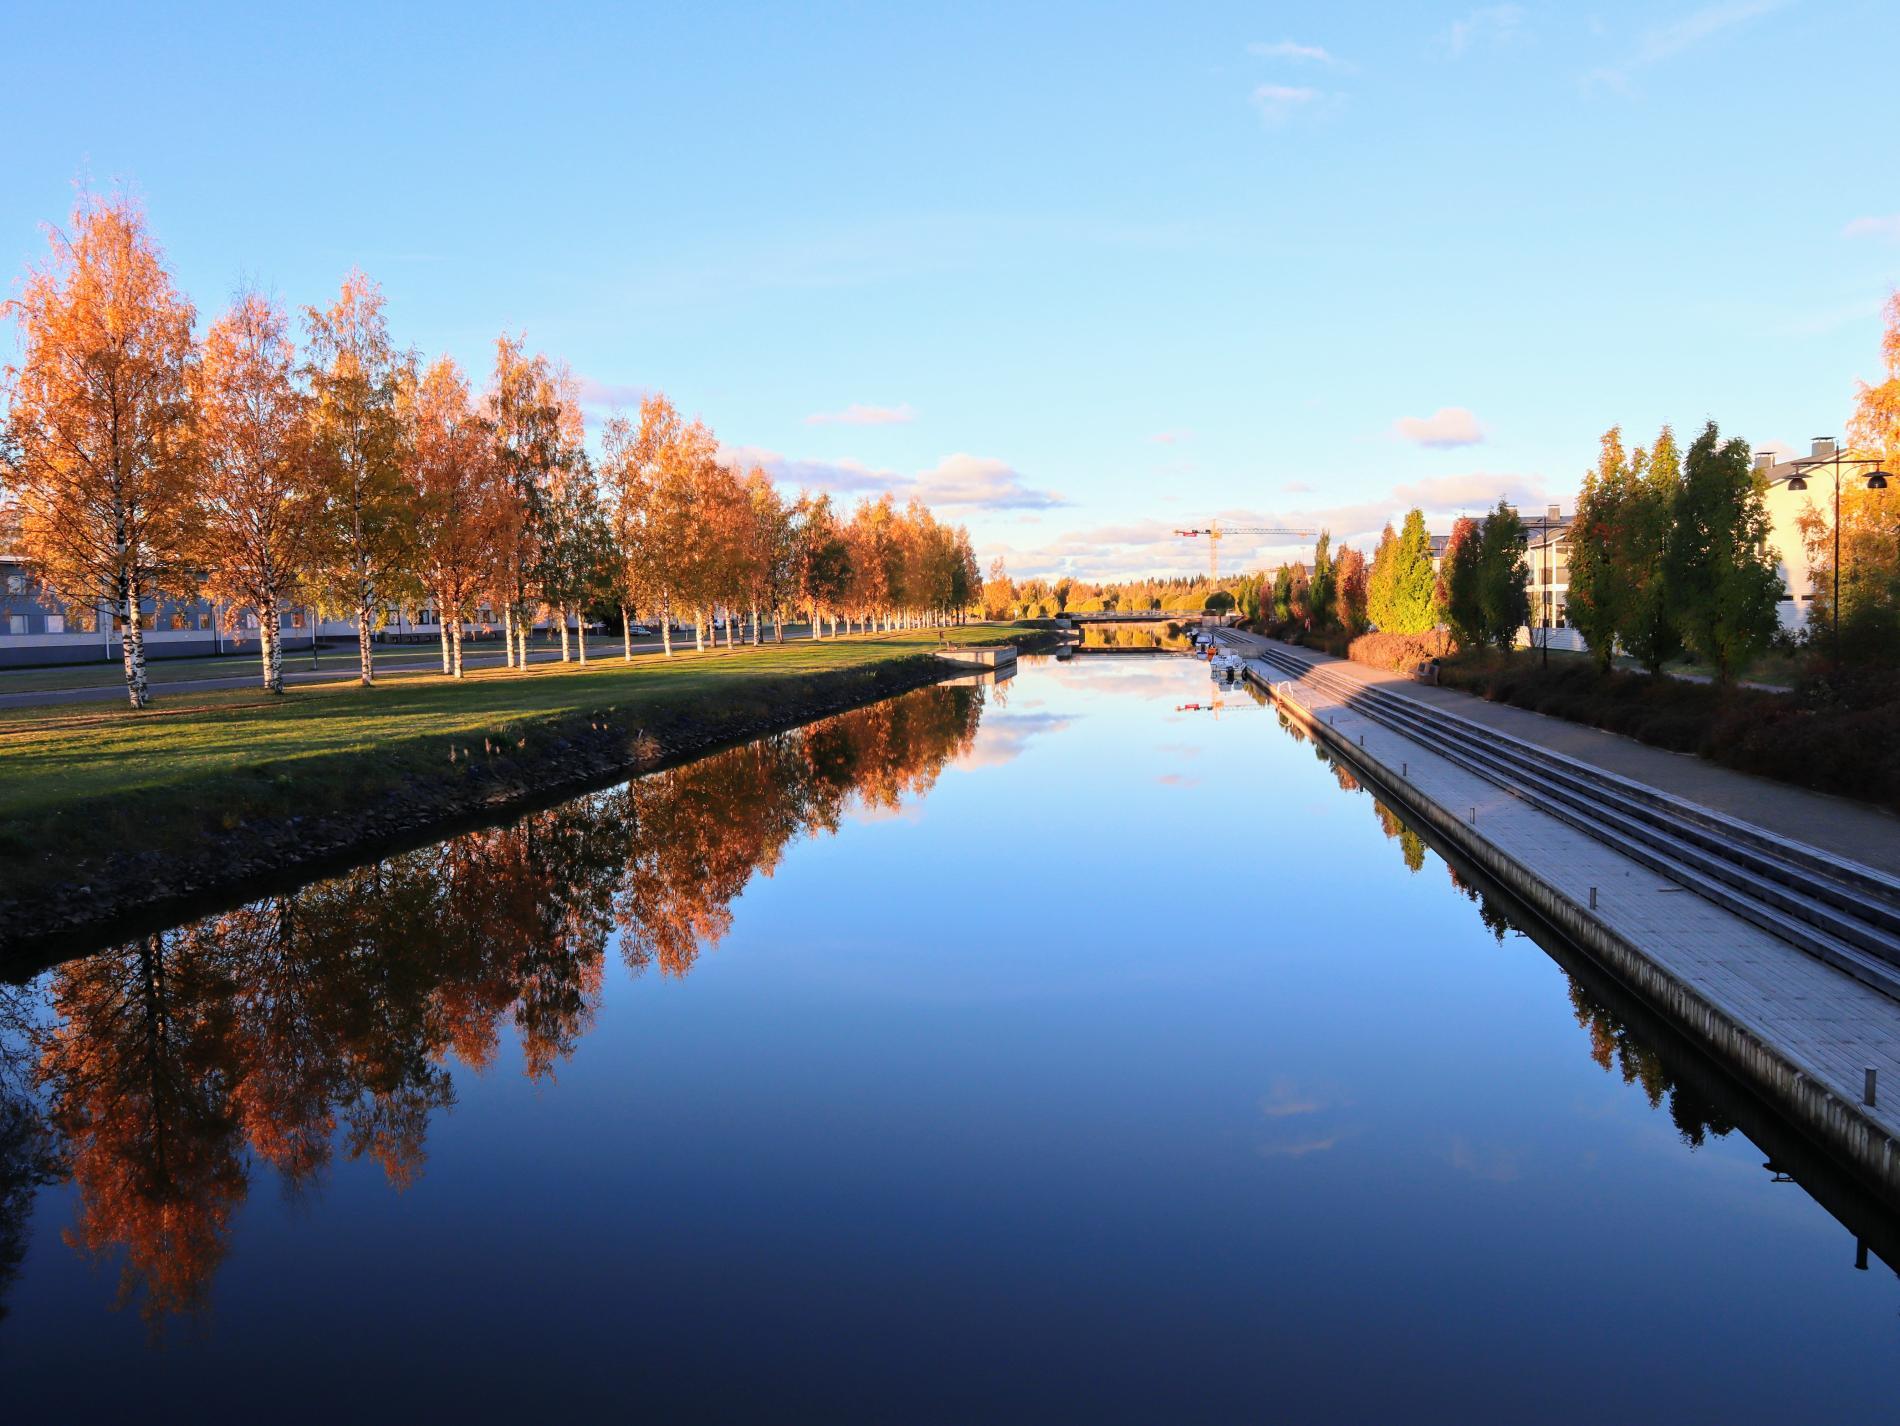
x=1627, y=1040
x=157, y=1073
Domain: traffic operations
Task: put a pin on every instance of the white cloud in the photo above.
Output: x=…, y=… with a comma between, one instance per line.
x=1279, y=102
x=1446, y=427
x=1491, y=24
x=1296, y=487
x=1170, y=438
x=1154, y=547
x=957, y=481
x=1299, y=53
x=858, y=414
x=607, y=395
x=986, y=484
x=1662, y=42
x=1887, y=227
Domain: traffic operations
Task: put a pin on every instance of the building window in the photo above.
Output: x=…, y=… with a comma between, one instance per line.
x=296, y=618
x=16, y=584
x=55, y=623
x=16, y=623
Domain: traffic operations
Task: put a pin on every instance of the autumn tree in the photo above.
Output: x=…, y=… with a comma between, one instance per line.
x=1503, y=576
x=1409, y=586
x=1650, y=625
x=1349, y=578
x=999, y=591
x=258, y=497
x=770, y=567
x=1721, y=569
x=98, y=456
x=1599, y=598
x=821, y=560
x=1321, y=588
x=458, y=496
x=1869, y=613
x=369, y=521
x=625, y=475
x=533, y=435
x=1380, y=578
x=1458, y=597
x=1280, y=607
x=576, y=558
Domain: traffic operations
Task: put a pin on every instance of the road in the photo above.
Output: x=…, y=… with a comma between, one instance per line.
x=396, y=659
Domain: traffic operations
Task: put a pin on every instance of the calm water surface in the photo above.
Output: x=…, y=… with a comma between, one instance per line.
x=1034, y=1051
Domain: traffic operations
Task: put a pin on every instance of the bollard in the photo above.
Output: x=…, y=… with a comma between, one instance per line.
x=1867, y=1087
x=1593, y=898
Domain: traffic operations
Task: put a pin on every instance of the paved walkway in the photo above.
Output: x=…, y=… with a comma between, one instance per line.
x=394, y=660
x=1833, y=824
x=1824, y=1022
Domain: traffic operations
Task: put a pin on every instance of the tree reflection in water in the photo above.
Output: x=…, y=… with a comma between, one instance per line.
x=154, y=1074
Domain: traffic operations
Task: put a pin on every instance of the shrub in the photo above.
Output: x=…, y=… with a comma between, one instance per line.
x=1831, y=735
x=1399, y=653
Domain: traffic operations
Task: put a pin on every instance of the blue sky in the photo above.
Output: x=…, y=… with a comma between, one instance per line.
x=1078, y=274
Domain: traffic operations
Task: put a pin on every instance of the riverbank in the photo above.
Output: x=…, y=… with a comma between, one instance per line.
x=1799, y=1031
x=116, y=820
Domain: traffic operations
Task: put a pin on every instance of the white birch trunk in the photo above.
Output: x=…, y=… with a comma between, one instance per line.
x=455, y=650
x=132, y=646
x=365, y=616
x=508, y=633
x=272, y=628
x=626, y=634
x=580, y=634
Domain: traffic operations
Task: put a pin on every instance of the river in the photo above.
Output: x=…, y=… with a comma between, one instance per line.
x=1036, y=1050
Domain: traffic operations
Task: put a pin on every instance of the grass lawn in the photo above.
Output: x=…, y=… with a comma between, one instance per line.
x=83, y=777
x=1771, y=670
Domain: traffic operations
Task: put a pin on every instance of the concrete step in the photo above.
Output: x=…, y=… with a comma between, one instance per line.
x=1850, y=921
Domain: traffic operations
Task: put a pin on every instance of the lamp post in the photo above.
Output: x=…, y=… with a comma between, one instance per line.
x=1876, y=480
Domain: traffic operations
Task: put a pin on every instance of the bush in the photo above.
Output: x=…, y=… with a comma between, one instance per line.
x=1399, y=653
x=1832, y=735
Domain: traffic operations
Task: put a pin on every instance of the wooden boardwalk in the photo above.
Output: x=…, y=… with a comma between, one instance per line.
x=1799, y=1031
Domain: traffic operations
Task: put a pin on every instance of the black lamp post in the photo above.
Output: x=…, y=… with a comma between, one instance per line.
x=1876, y=480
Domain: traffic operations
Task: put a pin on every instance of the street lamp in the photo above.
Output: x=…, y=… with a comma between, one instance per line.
x=1547, y=581
x=1876, y=480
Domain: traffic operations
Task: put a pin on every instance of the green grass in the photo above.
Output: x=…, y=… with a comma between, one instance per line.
x=91, y=779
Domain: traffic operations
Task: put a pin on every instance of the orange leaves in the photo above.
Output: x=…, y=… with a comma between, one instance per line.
x=100, y=409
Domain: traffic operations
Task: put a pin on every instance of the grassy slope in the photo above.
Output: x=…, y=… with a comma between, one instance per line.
x=86, y=774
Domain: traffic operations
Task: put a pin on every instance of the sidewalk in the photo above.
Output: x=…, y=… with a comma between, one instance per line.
x=1801, y=1032
x=1833, y=824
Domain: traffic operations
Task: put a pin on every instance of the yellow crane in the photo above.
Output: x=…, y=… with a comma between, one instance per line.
x=1216, y=532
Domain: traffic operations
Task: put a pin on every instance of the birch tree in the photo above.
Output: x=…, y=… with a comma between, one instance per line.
x=358, y=440
x=459, y=498
x=257, y=495
x=98, y=449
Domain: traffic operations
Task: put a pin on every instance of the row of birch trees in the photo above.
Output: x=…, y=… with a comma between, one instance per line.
x=140, y=460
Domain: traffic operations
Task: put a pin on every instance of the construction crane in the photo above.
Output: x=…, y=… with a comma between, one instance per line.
x=1216, y=531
